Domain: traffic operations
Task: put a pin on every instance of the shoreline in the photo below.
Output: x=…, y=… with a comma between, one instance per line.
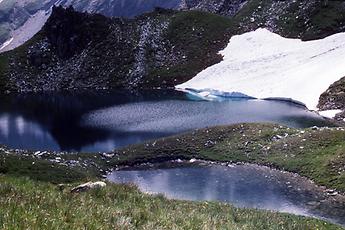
x=175, y=151
x=325, y=202
x=105, y=162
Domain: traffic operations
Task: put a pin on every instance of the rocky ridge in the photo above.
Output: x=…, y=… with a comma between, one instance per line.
x=18, y=18
x=222, y=7
x=80, y=50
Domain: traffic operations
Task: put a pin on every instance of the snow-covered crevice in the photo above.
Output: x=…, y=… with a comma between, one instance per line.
x=262, y=64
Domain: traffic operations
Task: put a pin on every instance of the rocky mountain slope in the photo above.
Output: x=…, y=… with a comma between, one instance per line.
x=79, y=50
x=222, y=7
x=20, y=20
x=159, y=49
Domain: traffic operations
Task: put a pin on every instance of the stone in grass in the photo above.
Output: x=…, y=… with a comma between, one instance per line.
x=88, y=186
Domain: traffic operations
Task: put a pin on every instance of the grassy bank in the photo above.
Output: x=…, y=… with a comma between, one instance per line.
x=26, y=204
x=317, y=154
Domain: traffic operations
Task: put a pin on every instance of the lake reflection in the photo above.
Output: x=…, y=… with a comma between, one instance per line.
x=102, y=120
x=241, y=185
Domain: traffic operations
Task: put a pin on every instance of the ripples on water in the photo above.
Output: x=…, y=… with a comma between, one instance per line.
x=102, y=121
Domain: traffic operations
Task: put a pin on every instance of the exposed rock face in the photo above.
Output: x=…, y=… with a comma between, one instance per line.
x=222, y=7
x=70, y=33
x=88, y=186
x=334, y=99
x=79, y=50
x=120, y=8
x=26, y=17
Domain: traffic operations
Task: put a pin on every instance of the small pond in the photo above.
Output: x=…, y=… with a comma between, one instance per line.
x=247, y=186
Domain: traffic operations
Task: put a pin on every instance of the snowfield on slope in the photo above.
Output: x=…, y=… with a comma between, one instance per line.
x=262, y=64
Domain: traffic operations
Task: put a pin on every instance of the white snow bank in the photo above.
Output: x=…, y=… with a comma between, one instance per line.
x=262, y=64
x=27, y=30
x=330, y=113
x=6, y=43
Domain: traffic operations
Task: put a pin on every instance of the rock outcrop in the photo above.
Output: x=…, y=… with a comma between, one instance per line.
x=88, y=186
x=221, y=7
x=20, y=19
x=79, y=50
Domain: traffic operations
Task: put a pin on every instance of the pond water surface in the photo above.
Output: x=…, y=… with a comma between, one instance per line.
x=103, y=121
x=248, y=186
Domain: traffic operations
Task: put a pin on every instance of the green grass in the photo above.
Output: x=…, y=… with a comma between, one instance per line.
x=26, y=204
x=42, y=170
x=316, y=154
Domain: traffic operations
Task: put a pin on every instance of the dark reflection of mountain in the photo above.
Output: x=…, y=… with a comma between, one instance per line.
x=102, y=120
x=60, y=114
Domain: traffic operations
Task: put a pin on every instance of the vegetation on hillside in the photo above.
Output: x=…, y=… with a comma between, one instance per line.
x=198, y=35
x=307, y=20
x=159, y=49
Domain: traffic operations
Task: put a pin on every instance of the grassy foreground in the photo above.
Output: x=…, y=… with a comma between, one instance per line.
x=28, y=204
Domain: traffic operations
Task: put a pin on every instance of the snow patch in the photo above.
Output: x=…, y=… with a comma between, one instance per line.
x=213, y=95
x=262, y=64
x=330, y=113
x=27, y=30
x=6, y=43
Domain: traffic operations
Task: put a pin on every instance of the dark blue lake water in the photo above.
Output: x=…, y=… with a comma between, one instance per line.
x=102, y=121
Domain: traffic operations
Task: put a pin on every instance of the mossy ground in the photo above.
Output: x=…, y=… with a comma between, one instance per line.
x=316, y=154
x=27, y=204
x=17, y=165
